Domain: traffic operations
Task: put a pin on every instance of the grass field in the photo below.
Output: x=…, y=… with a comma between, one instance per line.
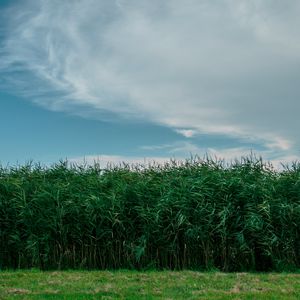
x=147, y=285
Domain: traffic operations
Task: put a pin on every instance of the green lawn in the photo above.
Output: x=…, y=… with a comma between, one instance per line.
x=147, y=285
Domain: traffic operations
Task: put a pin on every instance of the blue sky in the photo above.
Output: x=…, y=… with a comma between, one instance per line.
x=134, y=80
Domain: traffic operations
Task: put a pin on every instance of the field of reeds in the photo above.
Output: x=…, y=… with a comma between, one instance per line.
x=198, y=214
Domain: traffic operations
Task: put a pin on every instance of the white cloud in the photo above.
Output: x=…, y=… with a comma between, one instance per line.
x=183, y=148
x=230, y=154
x=280, y=144
x=187, y=149
x=188, y=133
x=228, y=66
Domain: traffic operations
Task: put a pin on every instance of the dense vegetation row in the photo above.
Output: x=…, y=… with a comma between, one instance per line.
x=200, y=214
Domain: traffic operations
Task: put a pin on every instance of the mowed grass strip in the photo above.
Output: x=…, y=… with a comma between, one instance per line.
x=147, y=285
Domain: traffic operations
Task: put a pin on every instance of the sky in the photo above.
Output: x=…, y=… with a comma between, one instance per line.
x=139, y=80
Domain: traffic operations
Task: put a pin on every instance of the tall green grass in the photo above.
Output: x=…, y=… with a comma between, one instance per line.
x=198, y=214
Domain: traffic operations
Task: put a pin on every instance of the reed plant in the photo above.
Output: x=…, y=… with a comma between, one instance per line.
x=198, y=214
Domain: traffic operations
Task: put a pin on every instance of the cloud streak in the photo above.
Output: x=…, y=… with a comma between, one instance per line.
x=227, y=67
x=227, y=155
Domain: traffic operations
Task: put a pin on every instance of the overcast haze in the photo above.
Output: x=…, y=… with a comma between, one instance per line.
x=151, y=79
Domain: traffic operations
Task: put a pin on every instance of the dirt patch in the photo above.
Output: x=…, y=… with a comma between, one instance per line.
x=54, y=282
x=17, y=291
x=105, y=288
x=51, y=292
x=235, y=290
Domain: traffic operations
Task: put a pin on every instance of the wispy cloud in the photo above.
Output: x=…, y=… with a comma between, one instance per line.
x=186, y=149
x=229, y=66
x=182, y=148
x=225, y=154
x=188, y=133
